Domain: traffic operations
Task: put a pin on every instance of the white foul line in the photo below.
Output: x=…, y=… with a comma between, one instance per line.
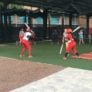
x=67, y=80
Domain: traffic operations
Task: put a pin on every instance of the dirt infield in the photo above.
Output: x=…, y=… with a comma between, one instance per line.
x=16, y=73
x=85, y=56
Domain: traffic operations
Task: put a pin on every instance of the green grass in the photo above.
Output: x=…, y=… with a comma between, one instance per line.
x=47, y=52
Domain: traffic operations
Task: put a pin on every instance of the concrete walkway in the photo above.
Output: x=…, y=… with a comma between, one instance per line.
x=67, y=80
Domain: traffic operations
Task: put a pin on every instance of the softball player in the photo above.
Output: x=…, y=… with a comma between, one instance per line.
x=24, y=39
x=69, y=43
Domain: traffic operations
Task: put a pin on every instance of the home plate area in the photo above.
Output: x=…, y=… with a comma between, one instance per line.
x=67, y=80
x=84, y=56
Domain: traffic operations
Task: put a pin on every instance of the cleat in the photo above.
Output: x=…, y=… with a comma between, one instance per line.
x=20, y=56
x=64, y=58
x=29, y=56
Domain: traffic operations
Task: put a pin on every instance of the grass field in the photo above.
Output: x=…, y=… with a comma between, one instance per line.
x=47, y=52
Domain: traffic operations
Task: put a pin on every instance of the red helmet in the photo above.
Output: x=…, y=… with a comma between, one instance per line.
x=69, y=30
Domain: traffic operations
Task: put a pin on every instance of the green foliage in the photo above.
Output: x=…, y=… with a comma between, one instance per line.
x=47, y=52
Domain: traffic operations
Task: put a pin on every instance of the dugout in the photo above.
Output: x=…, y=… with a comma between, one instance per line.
x=53, y=15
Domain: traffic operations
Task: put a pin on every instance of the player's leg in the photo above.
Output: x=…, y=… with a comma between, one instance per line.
x=29, y=47
x=22, y=51
x=68, y=48
x=74, y=49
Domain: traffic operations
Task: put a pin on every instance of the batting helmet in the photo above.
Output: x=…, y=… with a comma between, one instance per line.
x=69, y=30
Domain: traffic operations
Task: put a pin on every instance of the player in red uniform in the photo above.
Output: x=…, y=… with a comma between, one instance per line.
x=70, y=43
x=24, y=40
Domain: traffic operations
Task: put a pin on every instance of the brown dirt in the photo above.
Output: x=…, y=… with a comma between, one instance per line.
x=16, y=73
x=85, y=56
